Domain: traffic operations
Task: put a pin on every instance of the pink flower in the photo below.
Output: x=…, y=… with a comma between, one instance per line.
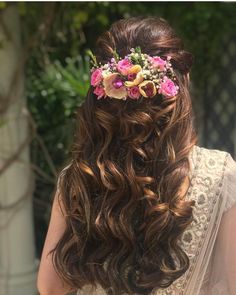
x=99, y=91
x=168, y=88
x=96, y=77
x=123, y=66
x=158, y=62
x=134, y=92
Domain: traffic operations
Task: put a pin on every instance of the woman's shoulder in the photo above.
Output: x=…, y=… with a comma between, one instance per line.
x=209, y=158
x=209, y=152
x=214, y=161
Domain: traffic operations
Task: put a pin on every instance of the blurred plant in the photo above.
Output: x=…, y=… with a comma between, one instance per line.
x=53, y=95
x=2, y=5
x=75, y=26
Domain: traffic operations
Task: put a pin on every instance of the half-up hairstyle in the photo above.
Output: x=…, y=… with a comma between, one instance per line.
x=121, y=192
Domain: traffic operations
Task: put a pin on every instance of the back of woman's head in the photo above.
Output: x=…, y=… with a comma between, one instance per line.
x=121, y=193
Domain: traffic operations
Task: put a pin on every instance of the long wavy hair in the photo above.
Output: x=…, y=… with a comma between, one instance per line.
x=121, y=192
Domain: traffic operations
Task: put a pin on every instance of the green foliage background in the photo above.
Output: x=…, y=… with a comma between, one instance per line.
x=58, y=67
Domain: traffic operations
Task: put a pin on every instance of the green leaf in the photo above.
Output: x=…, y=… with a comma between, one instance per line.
x=138, y=49
x=1, y=44
x=93, y=57
x=116, y=55
x=80, y=18
x=2, y=122
x=3, y=5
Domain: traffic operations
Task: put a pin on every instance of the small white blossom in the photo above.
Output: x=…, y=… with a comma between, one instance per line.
x=106, y=73
x=146, y=72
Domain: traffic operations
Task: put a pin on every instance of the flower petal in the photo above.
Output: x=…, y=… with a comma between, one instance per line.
x=134, y=69
x=147, y=88
x=110, y=90
x=139, y=78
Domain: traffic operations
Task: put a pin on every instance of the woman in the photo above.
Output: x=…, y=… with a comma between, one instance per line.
x=141, y=208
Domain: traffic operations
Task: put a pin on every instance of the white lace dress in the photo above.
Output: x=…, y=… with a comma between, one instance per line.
x=210, y=240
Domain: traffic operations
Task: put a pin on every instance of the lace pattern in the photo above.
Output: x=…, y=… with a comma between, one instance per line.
x=231, y=183
x=205, y=189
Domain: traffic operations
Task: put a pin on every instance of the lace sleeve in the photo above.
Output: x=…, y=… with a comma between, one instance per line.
x=222, y=274
x=230, y=187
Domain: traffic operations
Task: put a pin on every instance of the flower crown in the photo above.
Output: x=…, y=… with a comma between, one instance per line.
x=134, y=76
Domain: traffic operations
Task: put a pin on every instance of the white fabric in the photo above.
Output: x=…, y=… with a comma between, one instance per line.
x=210, y=240
x=221, y=275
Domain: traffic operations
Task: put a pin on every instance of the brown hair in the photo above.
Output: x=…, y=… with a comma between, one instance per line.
x=123, y=209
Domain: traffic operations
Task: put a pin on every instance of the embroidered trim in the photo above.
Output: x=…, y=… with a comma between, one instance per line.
x=207, y=201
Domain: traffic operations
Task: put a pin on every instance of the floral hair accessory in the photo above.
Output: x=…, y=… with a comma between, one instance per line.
x=134, y=76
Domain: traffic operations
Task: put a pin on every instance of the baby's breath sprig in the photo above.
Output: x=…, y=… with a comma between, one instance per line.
x=138, y=50
x=141, y=57
x=136, y=56
x=133, y=58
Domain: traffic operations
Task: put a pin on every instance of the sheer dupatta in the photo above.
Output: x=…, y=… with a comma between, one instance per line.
x=210, y=240
x=220, y=278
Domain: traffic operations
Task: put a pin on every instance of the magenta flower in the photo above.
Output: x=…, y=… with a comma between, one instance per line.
x=96, y=77
x=99, y=91
x=131, y=76
x=168, y=88
x=134, y=92
x=117, y=82
x=124, y=65
x=158, y=62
